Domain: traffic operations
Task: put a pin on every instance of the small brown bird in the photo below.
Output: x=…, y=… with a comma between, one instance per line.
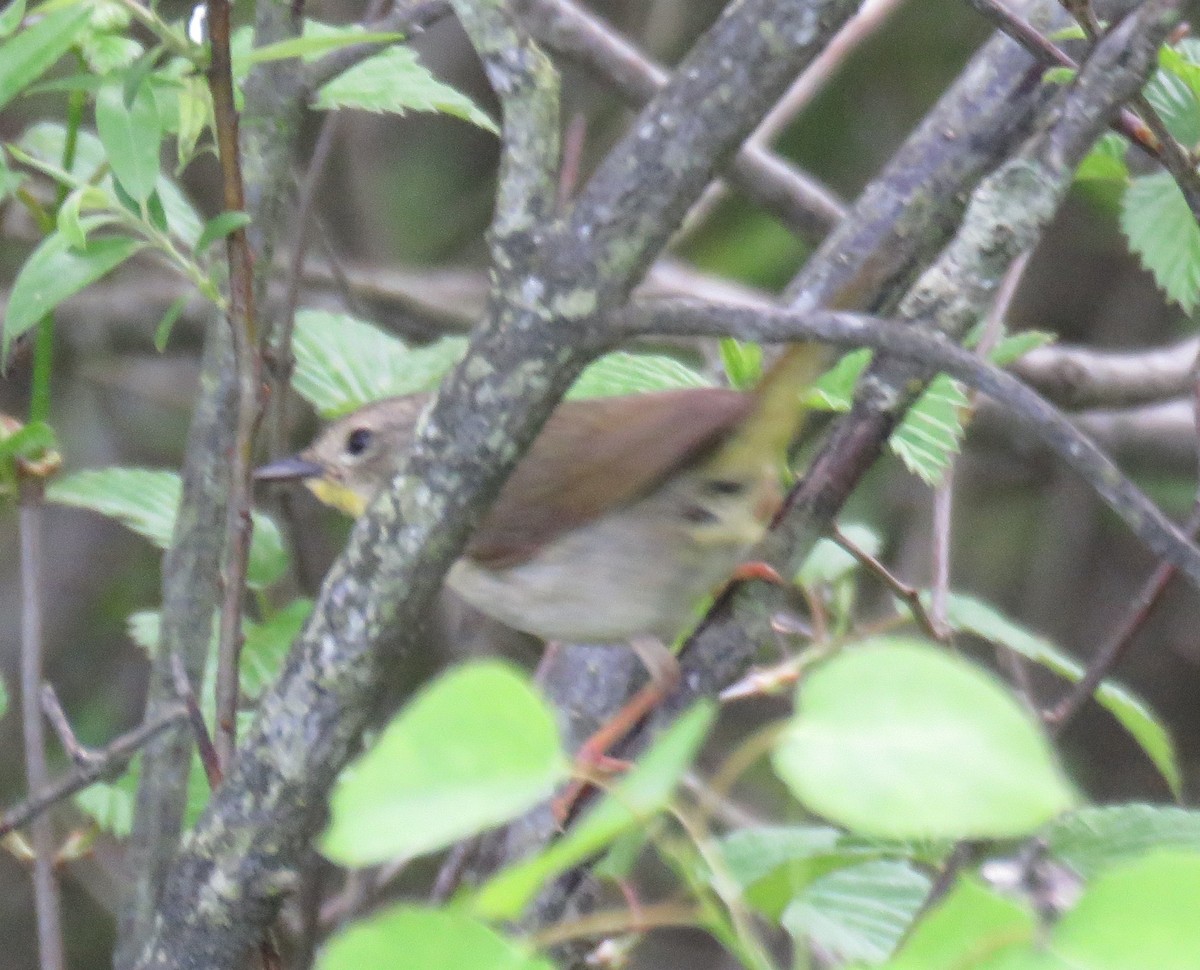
x=623, y=514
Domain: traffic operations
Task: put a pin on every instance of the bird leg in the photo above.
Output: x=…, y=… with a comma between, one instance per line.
x=592, y=756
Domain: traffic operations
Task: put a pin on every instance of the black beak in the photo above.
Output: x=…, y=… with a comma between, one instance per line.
x=287, y=469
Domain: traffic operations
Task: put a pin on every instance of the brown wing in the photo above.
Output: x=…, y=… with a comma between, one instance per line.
x=599, y=454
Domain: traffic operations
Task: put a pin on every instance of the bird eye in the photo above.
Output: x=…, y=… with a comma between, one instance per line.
x=358, y=441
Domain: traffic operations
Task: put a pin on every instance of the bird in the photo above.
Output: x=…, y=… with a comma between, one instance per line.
x=622, y=516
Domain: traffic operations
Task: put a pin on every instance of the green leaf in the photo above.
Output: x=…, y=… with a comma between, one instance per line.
x=343, y=363
x=394, y=81
x=1095, y=839
x=931, y=433
x=743, y=361
x=309, y=45
x=1059, y=75
x=410, y=938
x=1106, y=160
x=473, y=750
x=145, y=629
x=268, y=559
x=898, y=739
x=55, y=271
x=220, y=226
x=750, y=854
x=969, y=615
x=970, y=928
x=110, y=805
x=1141, y=914
x=3, y=697
x=1162, y=231
x=1017, y=345
x=1176, y=104
x=109, y=52
x=829, y=563
x=11, y=17
x=644, y=792
x=30, y=442
x=1181, y=61
x=625, y=373
x=859, y=912
x=146, y=501
x=27, y=55
x=267, y=644
x=131, y=134
x=162, y=333
x=834, y=390
x=140, y=499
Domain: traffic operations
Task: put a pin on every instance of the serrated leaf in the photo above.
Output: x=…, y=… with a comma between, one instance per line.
x=897, y=739
x=139, y=498
x=625, y=373
x=1096, y=838
x=395, y=81
x=969, y=615
x=410, y=938
x=131, y=134
x=27, y=55
x=474, y=749
x=640, y=794
x=146, y=501
x=1175, y=103
x=931, y=433
x=220, y=226
x=858, y=912
x=55, y=271
x=1163, y=232
x=343, y=363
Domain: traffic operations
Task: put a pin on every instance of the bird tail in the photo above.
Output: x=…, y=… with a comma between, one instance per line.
x=781, y=408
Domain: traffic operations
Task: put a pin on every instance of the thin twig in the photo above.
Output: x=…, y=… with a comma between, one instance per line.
x=204, y=742
x=1118, y=644
x=248, y=368
x=37, y=774
x=608, y=922
x=907, y=593
x=106, y=762
x=62, y=727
